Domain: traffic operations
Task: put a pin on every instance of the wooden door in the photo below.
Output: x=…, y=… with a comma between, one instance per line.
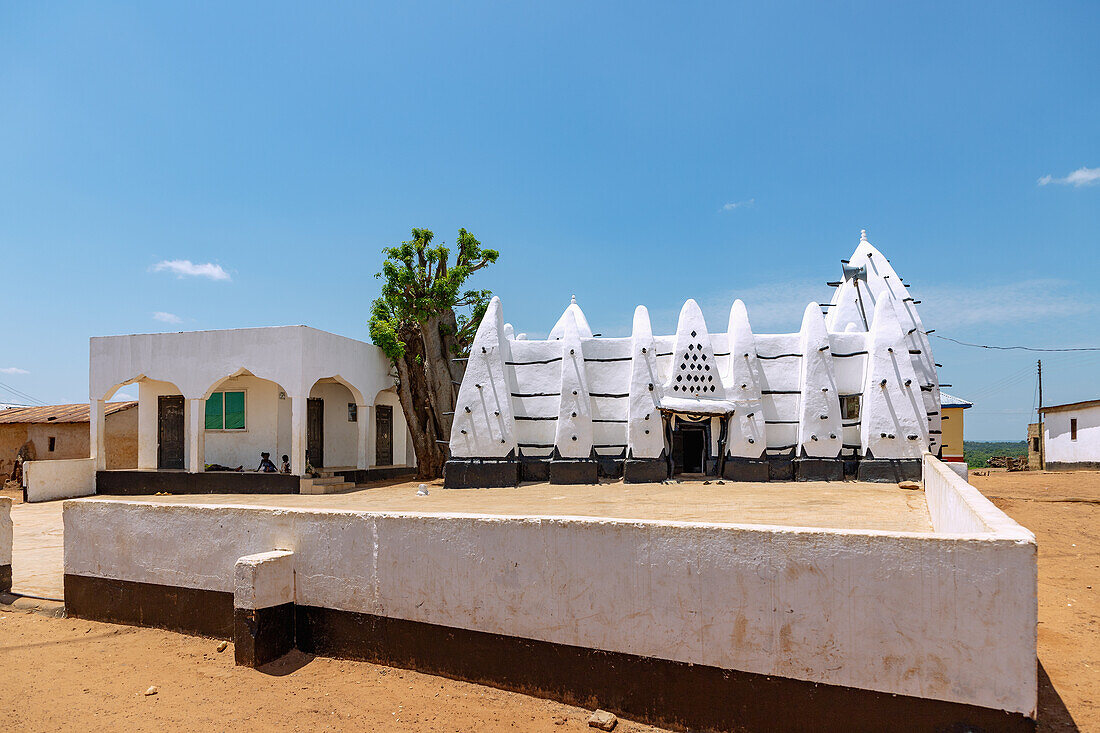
x=315, y=431
x=170, y=431
x=383, y=445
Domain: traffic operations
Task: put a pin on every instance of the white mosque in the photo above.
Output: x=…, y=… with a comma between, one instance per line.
x=853, y=394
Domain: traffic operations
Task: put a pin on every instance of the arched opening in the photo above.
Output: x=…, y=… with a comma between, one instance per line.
x=333, y=424
x=244, y=416
x=154, y=437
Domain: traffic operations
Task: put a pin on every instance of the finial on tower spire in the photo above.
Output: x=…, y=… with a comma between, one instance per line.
x=863, y=235
x=573, y=300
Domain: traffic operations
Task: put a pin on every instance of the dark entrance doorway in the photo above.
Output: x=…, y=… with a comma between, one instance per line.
x=315, y=431
x=383, y=431
x=689, y=448
x=170, y=431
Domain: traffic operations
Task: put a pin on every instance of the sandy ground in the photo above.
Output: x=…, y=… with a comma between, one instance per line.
x=1063, y=510
x=847, y=505
x=76, y=675
x=68, y=674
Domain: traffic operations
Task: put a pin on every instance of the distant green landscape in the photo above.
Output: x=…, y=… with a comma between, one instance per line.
x=977, y=453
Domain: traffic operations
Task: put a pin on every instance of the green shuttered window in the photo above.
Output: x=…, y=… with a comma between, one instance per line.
x=225, y=411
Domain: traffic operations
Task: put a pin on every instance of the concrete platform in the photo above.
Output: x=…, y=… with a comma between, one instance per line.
x=833, y=505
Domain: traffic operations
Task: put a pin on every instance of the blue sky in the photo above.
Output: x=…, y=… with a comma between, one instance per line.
x=628, y=153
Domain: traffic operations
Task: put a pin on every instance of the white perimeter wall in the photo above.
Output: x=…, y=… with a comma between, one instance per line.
x=950, y=617
x=1060, y=448
x=6, y=530
x=65, y=479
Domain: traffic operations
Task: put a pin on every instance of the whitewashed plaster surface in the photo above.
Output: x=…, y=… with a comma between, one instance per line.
x=263, y=580
x=790, y=380
x=1060, y=447
x=949, y=616
x=63, y=479
x=6, y=530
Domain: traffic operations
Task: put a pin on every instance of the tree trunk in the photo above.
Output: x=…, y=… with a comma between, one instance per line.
x=426, y=394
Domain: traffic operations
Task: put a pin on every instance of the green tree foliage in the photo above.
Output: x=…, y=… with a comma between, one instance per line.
x=423, y=320
x=977, y=453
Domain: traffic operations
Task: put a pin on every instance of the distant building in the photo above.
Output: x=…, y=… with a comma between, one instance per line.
x=62, y=431
x=1070, y=436
x=951, y=412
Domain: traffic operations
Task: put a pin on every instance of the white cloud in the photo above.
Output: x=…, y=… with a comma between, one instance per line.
x=738, y=205
x=13, y=370
x=167, y=317
x=1014, y=302
x=122, y=397
x=187, y=268
x=1081, y=177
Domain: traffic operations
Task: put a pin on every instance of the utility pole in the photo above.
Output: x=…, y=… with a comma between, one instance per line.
x=1042, y=437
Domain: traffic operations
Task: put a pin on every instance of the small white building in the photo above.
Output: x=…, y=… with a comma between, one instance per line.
x=1071, y=436
x=209, y=400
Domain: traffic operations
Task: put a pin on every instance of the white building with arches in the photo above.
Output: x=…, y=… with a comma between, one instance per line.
x=215, y=400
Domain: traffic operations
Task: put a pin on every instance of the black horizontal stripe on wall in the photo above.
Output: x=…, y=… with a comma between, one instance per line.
x=723, y=353
x=527, y=363
x=849, y=424
x=780, y=391
x=536, y=394
x=664, y=353
x=535, y=445
x=535, y=417
x=777, y=356
x=608, y=394
x=782, y=447
x=852, y=447
x=781, y=422
x=602, y=420
x=854, y=353
x=612, y=358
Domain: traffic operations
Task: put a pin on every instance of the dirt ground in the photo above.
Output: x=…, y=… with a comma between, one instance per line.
x=1063, y=510
x=69, y=674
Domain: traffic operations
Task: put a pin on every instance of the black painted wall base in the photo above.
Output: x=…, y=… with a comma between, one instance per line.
x=662, y=692
x=262, y=635
x=746, y=469
x=476, y=473
x=139, y=483
x=890, y=470
x=610, y=466
x=5, y=578
x=645, y=470
x=818, y=469
x=574, y=471
x=534, y=469
x=378, y=473
x=780, y=469
x=1072, y=466
x=189, y=610
x=672, y=694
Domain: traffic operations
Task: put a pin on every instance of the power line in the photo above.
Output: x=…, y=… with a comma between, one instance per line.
x=21, y=395
x=1011, y=348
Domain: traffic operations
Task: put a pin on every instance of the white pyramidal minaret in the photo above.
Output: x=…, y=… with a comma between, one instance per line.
x=853, y=394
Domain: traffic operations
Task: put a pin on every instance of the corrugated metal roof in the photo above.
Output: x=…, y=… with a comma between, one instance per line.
x=57, y=413
x=1070, y=406
x=947, y=400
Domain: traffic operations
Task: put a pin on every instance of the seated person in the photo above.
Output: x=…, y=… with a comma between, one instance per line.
x=266, y=465
x=286, y=464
